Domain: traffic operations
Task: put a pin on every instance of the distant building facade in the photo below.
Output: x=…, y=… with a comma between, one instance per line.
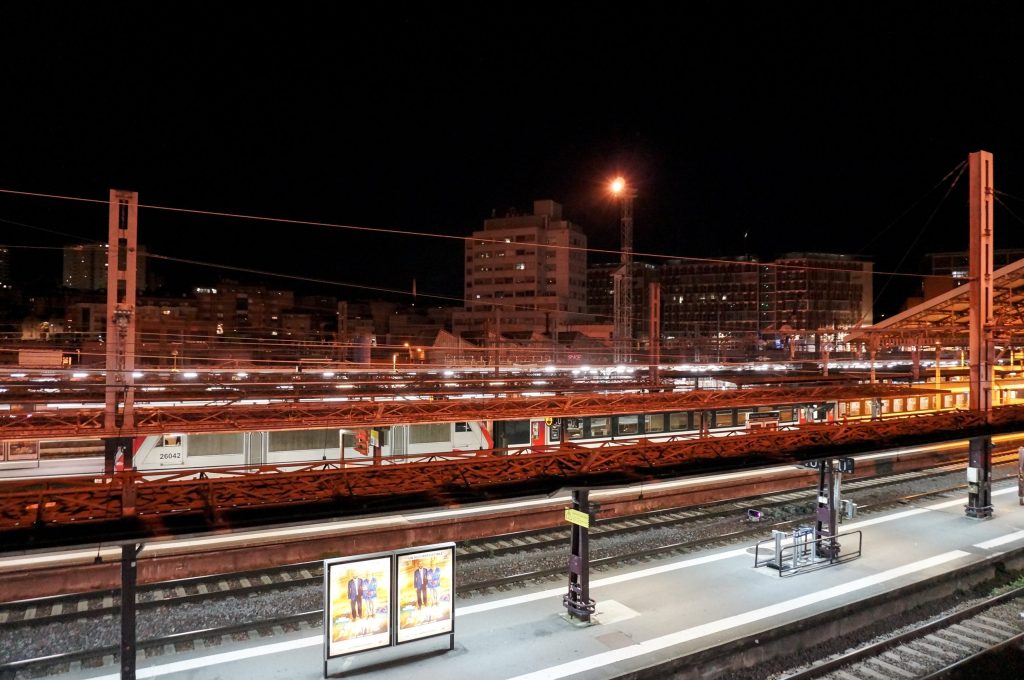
x=85, y=267
x=714, y=309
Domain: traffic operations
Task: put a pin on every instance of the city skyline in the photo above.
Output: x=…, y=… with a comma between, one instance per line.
x=744, y=131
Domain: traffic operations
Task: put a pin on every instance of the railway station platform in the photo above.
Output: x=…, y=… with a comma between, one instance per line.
x=648, y=615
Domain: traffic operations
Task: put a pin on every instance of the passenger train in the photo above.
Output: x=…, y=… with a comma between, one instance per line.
x=401, y=443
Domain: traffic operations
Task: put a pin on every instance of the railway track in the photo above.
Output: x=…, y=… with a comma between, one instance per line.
x=104, y=607
x=935, y=648
x=64, y=608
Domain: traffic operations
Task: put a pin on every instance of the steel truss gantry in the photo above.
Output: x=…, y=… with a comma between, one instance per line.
x=153, y=494
x=290, y=415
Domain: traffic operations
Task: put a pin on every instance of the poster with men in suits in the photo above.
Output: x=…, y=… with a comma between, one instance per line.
x=426, y=593
x=359, y=605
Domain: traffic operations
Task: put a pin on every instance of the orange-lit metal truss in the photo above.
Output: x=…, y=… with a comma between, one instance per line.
x=72, y=501
x=945, y=318
x=64, y=423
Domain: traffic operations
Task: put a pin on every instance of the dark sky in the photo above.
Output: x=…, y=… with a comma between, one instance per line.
x=746, y=127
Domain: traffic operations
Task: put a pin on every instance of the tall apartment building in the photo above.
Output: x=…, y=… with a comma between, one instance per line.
x=524, y=273
x=85, y=267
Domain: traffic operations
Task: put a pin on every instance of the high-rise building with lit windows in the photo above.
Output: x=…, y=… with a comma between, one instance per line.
x=85, y=267
x=524, y=273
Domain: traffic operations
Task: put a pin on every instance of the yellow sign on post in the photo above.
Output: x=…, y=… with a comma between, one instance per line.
x=577, y=517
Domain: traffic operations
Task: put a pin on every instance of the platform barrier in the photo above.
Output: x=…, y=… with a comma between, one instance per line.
x=798, y=551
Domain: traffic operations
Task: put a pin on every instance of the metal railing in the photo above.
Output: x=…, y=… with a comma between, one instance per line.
x=804, y=554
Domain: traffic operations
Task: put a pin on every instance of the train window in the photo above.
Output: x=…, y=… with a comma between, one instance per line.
x=897, y=405
x=574, y=428
x=431, y=433
x=947, y=401
x=785, y=414
x=853, y=408
x=383, y=435
x=462, y=427
x=912, y=403
x=511, y=432
x=628, y=425
x=348, y=440
x=725, y=418
x=302, y=440
x=654, y=423
x=600, y=427
x=171, y=440
x=215, y=444
x=961, y=399
x=886, y=405
x=680, y=420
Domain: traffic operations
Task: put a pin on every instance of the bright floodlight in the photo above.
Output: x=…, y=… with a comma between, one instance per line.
x=618, y=185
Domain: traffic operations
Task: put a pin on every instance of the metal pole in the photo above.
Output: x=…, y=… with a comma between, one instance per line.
x=1020, y=475
x=129, y=556
x=654, y=332
x=979, y=478
x=577, y=601
x=980, y=272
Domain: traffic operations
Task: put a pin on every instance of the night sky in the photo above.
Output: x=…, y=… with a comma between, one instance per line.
x=746, y=128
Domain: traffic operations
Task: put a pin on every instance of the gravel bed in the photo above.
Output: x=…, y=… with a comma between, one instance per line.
x=184, y=617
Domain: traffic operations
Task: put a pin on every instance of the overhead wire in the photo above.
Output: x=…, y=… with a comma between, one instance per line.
x=924, y=227
x=465, y=239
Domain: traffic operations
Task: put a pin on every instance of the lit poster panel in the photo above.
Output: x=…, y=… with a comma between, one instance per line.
x=358, y=605
x=426, y=589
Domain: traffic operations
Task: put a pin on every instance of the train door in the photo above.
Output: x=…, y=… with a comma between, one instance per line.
x=255, y=448
x=399, y=441
x=538, y=430
x=464, y=438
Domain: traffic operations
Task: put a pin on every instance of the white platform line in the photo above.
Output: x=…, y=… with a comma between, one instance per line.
x=598, y=583
x=703, y=630
x=1002, y=540
x=223, y=657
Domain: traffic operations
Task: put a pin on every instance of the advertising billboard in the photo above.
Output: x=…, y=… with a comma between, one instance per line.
x=358, y=608
x=425, y=590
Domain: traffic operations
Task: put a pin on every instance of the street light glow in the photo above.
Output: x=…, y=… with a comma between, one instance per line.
x=618, y=185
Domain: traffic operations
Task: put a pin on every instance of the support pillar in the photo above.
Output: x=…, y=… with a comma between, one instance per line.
x=915, y=362
x=1020, y=475
x=121, y=285
x=654, y=334
x=979, y=478
x=982, y=348
x=577, y=601
x=129, y=558
x=826, y=523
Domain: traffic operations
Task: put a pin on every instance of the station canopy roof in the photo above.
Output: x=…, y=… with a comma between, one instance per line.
x=945, y=318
